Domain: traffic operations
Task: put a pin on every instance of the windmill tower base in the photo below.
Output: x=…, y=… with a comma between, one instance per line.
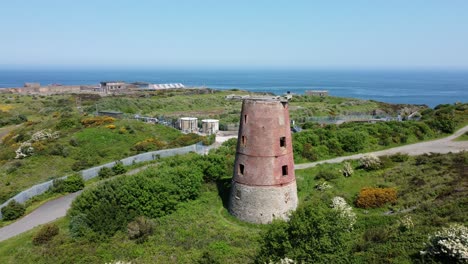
x=262, y=204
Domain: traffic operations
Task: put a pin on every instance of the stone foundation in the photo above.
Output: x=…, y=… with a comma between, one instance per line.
x=262, y=204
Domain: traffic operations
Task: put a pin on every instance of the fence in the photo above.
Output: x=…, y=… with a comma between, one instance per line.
x=87, y=174
x=347, y=118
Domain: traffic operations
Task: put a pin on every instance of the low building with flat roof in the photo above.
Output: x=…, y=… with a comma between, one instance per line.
x=210, y=126
x=188, y=124
x=321, y=93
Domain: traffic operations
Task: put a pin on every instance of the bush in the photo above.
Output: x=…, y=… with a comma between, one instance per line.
x=70, y=184
x=45, y=234
x=119, y=168
x=399, y=157
x=105, y=173
x=148, y=145
x=326, y=175
x=375, y=197
x=209, y=140
x=140, y=228
x=152, y=193
x=449, y=245
x=347, y=169
x=97, y=121
x=352, y=141
x=315, y=233
x=13, y=210
x=370, y=162
x=81, y=164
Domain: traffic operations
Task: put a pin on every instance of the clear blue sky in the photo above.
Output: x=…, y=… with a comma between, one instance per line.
x=254, y=33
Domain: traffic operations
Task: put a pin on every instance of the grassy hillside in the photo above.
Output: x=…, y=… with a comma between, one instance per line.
x=78, y=145
x=62, y=140
x=432, y=192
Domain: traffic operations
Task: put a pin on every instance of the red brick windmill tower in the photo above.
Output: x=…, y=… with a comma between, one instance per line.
x=263, y=185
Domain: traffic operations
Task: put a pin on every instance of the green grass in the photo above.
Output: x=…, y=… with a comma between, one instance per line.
x=95, y=145
x=198, y=227
x=432, y=187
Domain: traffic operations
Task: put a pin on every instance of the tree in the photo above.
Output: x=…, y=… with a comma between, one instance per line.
x=315, y=233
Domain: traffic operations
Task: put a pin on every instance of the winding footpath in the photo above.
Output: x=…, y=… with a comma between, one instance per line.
x=57, y=208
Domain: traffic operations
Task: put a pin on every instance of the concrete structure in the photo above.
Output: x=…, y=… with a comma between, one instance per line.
x=321, y=93
x=210, y=126
x=264, y=184
x=161, y=86
x=188, y=124
x=32, y=85
x=43, y=90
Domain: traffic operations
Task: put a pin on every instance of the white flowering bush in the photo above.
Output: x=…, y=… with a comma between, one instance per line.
x=323, y=186
x=347, y=169
x=450, y=244
x=44, y=135
x=26, y=149
x=370, y=162
x=405, y=223
x=346, y=211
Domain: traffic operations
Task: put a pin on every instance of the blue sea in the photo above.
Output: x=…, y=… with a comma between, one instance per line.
x=429, y=87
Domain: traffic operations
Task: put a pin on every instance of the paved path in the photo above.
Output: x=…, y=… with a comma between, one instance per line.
x=58, y=207
x=443, y=145
x=45, y=213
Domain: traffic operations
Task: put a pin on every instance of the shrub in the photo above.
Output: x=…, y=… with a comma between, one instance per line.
x=78, y=226
x=70, y=184
x=74, y=142
x=405, y=223
x=347, y=169
x=375, y=197
x=345, y=211
x=370, y=162
x=66, y=124
x=111, y=126
x=149, y=144
x=314, y=234
x=399, y=157
x=140, y=228
x=352, y=141
x=13, y=210
x=326, y=175
x=97, y=121
x=81, y=164
x=449, y=245
x=152, y=193
x=45, y=234
x=119, y=168
x=105, y=173
x=209, y=140
x=323, y=186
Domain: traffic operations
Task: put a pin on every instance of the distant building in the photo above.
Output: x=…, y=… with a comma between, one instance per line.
x=32, y=85
x=114, y=86
x=210, y=126
x=321, y=93
x=188, y=124
x=165, y=86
